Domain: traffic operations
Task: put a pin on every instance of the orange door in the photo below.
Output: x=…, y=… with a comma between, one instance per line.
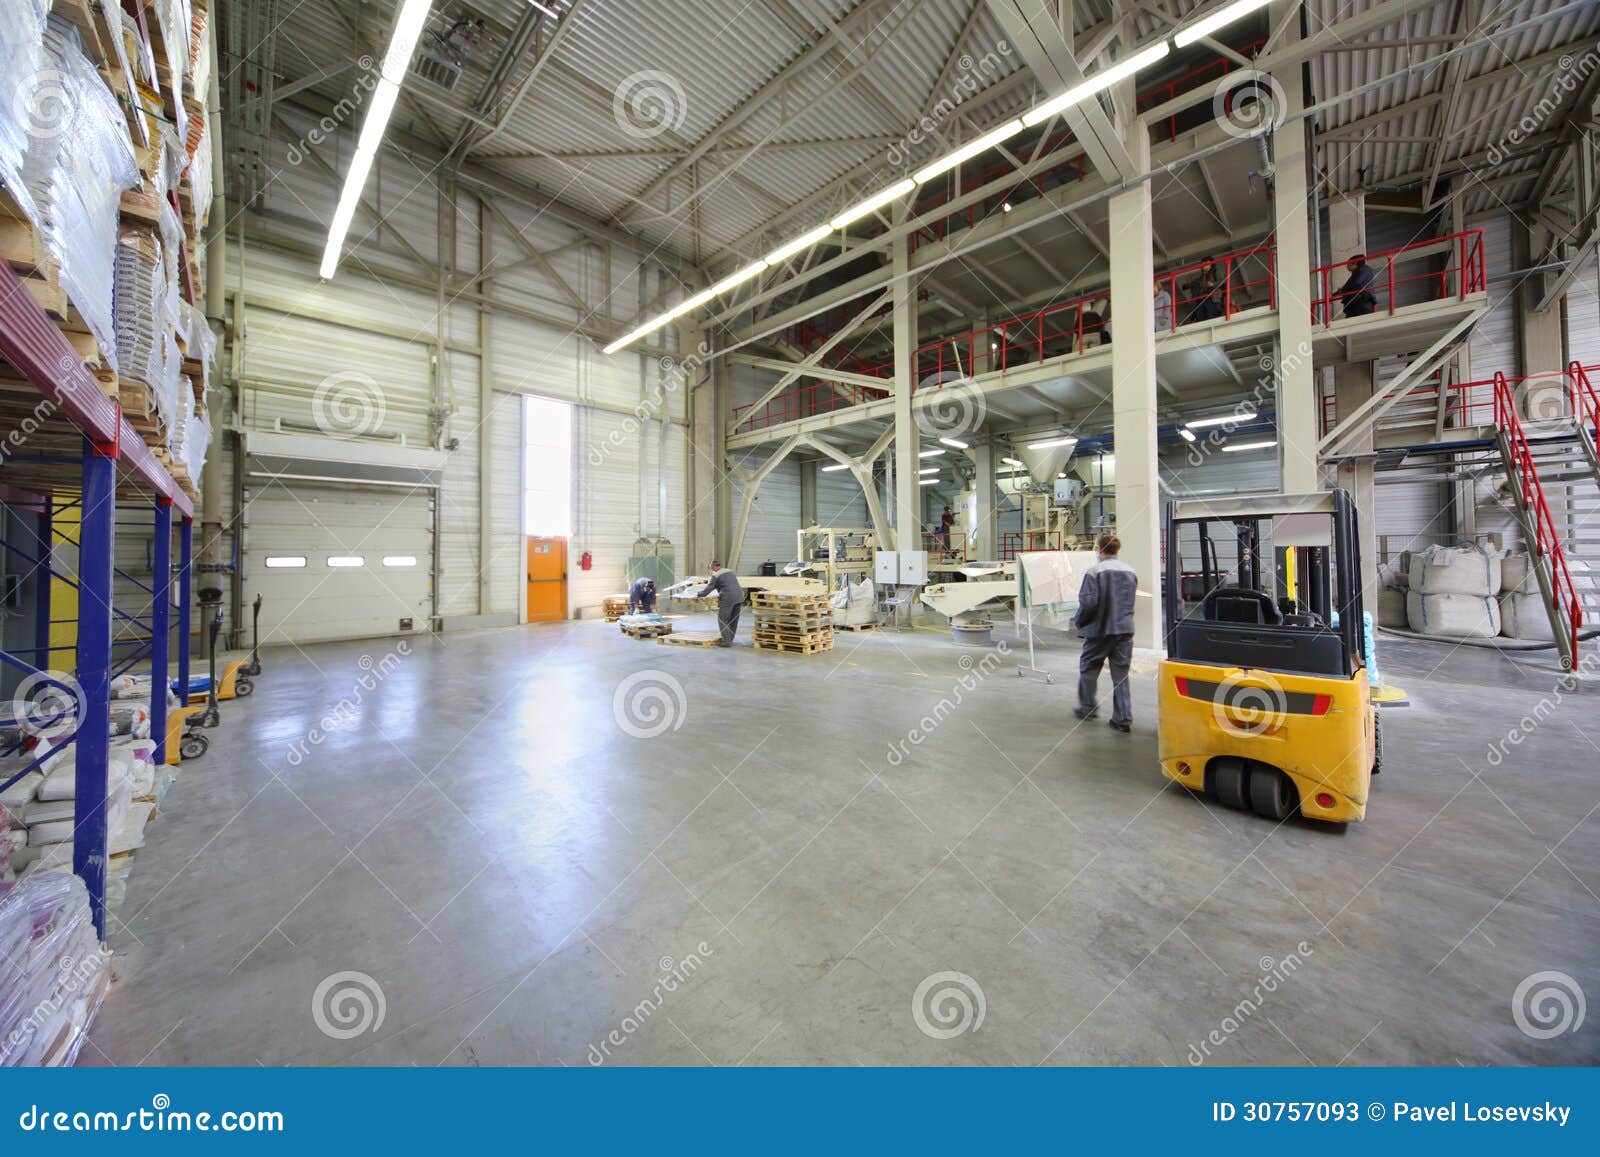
x=547, y=579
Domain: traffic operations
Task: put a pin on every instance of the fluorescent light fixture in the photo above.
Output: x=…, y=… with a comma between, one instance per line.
x=1250, y=445
x=1221, y=18
x=967, y=151
x=930, y=482
x=1052, y=443
x=835, y=466
x=346, y=560
x=804, y=241
x=1012, y=461
x=873, y=203
x=1186, y=434
x=408, y=25
x=688, y=304
x=1099, y=82
x=733, y=279
x=546, y=9
x=1005, y=206
x=1201, y=423
x=954, y=443
x=930, y=470
x=929, y=453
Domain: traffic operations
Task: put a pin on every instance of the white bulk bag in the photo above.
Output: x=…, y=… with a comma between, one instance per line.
x=1456, y=570
x=1453, y=616
x=1524, y=616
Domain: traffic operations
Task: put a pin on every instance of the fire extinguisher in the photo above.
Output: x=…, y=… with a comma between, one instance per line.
x=586, y=561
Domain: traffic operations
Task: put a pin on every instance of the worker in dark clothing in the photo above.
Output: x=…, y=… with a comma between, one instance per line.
x=1094, y=324
x=642, y=596
x=1205, y=293
x=730, y=598
x=1356, y=293
x=946, y=521
x=1105, y=620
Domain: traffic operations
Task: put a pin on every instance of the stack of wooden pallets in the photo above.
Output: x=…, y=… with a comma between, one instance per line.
x=614, y=607
x=647, y=630
x=794, y=624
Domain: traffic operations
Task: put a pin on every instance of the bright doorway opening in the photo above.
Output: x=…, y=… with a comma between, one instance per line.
x=546, y=504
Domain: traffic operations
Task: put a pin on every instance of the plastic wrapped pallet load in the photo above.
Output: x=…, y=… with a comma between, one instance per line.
x=78, y=163
x=21, y=43
x=53, y=972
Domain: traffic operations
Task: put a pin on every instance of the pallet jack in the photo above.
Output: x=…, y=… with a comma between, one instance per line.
x=235, y=682
x=185, y=739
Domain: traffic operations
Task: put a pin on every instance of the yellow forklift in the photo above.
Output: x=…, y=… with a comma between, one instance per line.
x=1264, y=697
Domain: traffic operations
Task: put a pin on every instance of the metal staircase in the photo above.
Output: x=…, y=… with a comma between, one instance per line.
x=1560, y=455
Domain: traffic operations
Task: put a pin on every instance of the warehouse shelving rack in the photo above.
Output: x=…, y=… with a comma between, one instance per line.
x=74, y=437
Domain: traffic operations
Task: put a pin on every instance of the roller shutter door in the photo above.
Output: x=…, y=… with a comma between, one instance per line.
x=320, y=601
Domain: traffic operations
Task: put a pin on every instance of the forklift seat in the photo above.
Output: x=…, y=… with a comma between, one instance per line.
x=1241, y=605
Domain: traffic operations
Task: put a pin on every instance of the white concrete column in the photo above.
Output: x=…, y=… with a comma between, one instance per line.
x=1353, y=383
x=808, y=492
x=708, y=488
x=984, y=544
x=1133, y=389
x=907, y=494
x=1297, y=395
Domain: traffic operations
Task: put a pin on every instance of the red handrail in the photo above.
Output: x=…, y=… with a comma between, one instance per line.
x=1547, y=543
x=1059, y=329
x=1585, y=401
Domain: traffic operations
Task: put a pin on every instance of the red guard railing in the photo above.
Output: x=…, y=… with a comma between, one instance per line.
x=1244, y=279
x=1585, y=400
x=1463, y=273
x=1547, y=542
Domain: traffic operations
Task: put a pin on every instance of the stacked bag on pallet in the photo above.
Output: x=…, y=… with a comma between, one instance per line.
x=53, y=972
x=21, y=44
x=1392, y=581
x=1454, y=591
x=78, y=163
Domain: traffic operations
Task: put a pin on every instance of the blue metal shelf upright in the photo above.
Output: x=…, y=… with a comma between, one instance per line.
x=61, y=431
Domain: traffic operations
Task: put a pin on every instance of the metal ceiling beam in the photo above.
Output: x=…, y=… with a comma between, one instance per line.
x=547, y=54
x=1040, y=38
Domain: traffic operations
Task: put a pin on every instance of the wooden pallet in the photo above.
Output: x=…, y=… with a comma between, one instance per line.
x=614, y=607
x=795, y=626
x=855, y=626
x=772, y=636
x=786, y=648
x=692, y=639
x=785, y=601
x=652, y=631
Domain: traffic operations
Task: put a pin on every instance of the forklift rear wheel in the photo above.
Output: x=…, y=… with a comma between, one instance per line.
x=1272, y=793
x=1230, y=782
x=242, y=686
x=193, y=746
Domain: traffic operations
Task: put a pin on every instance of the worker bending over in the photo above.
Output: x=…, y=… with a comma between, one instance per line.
x=642, y=596
x=730, y=598
x=1105, y=620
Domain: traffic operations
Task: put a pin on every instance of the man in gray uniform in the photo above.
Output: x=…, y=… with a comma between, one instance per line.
x=730, y=598
x=1105, y=620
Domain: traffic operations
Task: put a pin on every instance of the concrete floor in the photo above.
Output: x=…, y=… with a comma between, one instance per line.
x=763, y=883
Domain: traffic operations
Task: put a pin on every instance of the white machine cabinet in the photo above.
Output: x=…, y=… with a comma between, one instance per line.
x=913, y=568
x=886, y=568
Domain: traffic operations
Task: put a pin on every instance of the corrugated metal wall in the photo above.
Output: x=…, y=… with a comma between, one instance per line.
x=1583, y=316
